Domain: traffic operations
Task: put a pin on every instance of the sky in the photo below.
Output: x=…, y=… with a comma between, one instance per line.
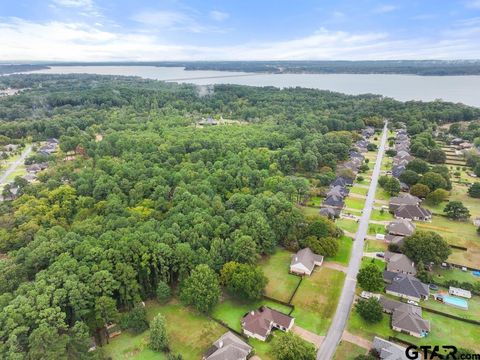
x=149, y=30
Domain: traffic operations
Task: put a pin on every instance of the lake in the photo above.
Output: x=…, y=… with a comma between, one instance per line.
x=465, y=89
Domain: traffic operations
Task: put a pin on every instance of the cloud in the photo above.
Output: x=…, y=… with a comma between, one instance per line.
x=74, y=3
x=81, y=41
x=386, y=8
x=219, y=15
x=473, y=4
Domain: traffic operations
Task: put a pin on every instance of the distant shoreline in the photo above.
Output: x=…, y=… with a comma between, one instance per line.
x=387, y=67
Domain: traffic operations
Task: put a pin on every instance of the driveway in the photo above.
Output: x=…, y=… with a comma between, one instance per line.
x=335, y=332
x=309, y=336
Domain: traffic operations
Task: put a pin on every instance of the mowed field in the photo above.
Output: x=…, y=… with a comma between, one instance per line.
x=281, y=283
x=317, y=298
x=348, y=351
x=191, y=344
x=457, y=233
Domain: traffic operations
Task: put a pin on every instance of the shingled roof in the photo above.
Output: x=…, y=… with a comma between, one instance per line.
x=260, y=321
x=401, y=227
x=399, y=263
x=228, y=347
x=408, y=285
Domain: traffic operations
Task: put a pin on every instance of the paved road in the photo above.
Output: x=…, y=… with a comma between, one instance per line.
x=13, y=166
x=329, y=345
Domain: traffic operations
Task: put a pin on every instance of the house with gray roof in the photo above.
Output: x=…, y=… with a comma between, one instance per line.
x=405, y=286
x=260, y=323
x=413, y=212
x=334, y=200
x=402, y=199
x=401, y=227
x=304, y=261
x=398, y=170
x=408, y=319
x=228, y=347
x=387, y=350
x=330, y=212
x=338, y=191
x=399, y=263
x=395, y=239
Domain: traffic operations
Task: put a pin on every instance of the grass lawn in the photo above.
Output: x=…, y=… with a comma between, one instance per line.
x=472, y=313
x=307, y=210
x=263, y=349
x=191, y=344
x=457, y=233
x=348, y=351
x=374, y=229
x=231, y=311
x=459, y=193
x=281, y=283
x=459, y=334
x=375, y=246
x=355, y=203
x=442, y=275
x=381, y=216
x=359, y=190
x=349, y=225
x=344, y=251
x=367, y=260
x=365, y=181
x=315, y=201
x=381, y=194
x=317, y=298
x=357, y=326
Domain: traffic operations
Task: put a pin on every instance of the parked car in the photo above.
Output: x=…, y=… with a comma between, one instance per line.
x=411, y=302
x=380, y=254
x=433, y=287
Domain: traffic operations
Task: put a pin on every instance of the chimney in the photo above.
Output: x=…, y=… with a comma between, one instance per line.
x=252, y=312
x=220, y=344
x=296, y=258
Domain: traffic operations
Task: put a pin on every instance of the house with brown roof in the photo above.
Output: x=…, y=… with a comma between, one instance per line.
x=304, y=261
x=413, y=212
x=399, y=263
x=228, y=347
x=406, y=318
x=401, y=227
x=260, y=323
x=402, y=199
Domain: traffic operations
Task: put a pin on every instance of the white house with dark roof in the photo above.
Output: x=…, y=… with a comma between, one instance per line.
x=402, y=199
x=304, y=261
x=405, y=286
x=401, y=227
x=399, y=263
x=388, y=350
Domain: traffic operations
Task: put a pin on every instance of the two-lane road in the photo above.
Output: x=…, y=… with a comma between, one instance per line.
x=15, y=164
x=329, y=345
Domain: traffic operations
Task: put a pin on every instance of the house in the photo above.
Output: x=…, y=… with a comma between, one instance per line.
x=208, y=122
x=228, y=347
x=387, y=350
x=53, y=141
x=408, y=319
x=459, y=292
x=330, y=212
x=405, y=286
x=342, y=181
x=395, y=239
x=402, y=199
x=259, y=323
x=398, y=170
x=304, y=261
x=413, y=212
x=399, y=263
x=335, y=201
x=401, y=227
x=403, y=186
x=30, y=177
x=456, y=141
x=338, y=191
x=355, y=154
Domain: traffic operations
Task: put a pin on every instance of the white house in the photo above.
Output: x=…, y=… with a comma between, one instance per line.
x=304, y=261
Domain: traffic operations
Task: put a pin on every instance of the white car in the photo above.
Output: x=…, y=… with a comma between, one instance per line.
x=411, y=302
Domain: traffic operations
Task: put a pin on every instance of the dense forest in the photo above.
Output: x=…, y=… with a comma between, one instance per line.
x=412, y=67
x=151, y=194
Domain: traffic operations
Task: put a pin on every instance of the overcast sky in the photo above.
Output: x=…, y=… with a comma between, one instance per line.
x=93, y=30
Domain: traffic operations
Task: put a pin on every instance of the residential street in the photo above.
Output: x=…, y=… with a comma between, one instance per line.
x=14, y=165
x=335, y=332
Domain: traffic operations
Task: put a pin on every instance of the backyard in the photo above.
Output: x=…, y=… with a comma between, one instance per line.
x=191, y=344
x=281, y=283
x=316, y=299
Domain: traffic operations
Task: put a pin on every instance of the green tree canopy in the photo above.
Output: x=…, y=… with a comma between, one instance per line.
x=201, y=289
x=427, y=247
x=370, y=278
x=289, y=346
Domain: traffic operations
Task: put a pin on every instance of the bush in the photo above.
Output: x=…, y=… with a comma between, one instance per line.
x=135, y=320
x=163, y=292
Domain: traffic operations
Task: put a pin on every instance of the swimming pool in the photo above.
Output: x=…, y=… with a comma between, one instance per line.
x=455, y=301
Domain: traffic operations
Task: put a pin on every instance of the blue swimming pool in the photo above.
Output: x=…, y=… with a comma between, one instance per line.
x=456, y=301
